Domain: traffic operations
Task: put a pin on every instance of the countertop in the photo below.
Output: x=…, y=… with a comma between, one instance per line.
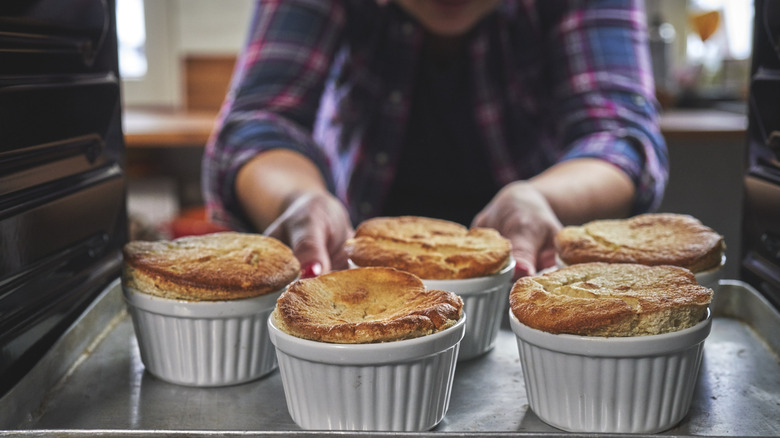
x=145, y=127
x=166, y=128
x=93, y=383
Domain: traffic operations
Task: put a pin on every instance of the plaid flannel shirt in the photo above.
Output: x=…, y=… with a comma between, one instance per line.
x=551, y=80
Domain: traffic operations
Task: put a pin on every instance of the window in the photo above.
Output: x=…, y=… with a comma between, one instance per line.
x=720, y=29
x=148, y=62
x=131, y=38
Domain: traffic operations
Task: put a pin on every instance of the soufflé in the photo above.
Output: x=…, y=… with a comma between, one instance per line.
x=364, y=305
x=648, y=239
x=430, y=248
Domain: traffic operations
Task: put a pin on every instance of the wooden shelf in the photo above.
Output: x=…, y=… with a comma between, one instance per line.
x=698, y=124
x=154, y=128
x=166, y=128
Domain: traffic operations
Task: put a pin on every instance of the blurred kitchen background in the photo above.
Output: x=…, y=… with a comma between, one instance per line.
x=176, y=58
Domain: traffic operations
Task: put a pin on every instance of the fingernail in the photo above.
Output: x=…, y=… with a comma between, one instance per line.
x=523, y=270
x=311, y=269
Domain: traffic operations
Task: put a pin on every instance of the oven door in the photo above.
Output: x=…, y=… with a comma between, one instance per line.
x=62, y=187
x=761, y=216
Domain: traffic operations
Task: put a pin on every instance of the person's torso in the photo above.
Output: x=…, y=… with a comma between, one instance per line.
x=368, y=105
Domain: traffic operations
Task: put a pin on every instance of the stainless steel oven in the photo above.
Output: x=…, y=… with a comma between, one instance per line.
x=761, y=215
x=62, y=208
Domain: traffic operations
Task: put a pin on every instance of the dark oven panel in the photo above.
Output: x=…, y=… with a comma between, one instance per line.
x=62, y=187
x=761, y=219
x=761, y=237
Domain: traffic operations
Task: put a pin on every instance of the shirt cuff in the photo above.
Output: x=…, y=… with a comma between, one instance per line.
x=634, y=154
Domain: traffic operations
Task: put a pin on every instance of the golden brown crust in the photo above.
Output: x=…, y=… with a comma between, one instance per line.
x=364, y=305
x=649, y=239
x=429, y=248
x=603, y=299
x=218, y=266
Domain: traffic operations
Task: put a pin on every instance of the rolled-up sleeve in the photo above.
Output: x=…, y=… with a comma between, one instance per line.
x=274, y=96
x=604, y=94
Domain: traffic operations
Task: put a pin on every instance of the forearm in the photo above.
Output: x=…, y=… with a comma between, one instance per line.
x=266, y=184
x=273, y=103
x=603, y=98
x=584, y=189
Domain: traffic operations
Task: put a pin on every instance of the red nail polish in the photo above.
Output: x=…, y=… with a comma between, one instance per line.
x=311, y=269
x=522, y=270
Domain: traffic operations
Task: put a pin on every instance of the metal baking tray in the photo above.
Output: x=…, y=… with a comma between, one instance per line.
x=93, y=383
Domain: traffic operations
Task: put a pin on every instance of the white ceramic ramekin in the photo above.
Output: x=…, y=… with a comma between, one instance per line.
x=641, y=384
x=203, y=343
x=391, y=386
x=711, y=277
x=484, y=301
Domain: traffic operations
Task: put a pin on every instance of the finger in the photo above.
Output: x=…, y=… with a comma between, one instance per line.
x=338, y=256
x=479, y=219
x=311, y=266
x=524, y=264
x=276, y=230
x=522, y=251
x=546, y=258
x=339, y=261
x=309, y=246
x=527, y=242
x=311, y=269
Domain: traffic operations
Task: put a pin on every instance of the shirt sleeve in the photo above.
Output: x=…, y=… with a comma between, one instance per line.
x=604, y=93
x=274, y=96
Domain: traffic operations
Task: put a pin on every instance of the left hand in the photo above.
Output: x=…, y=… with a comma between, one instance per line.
x=522, y=214
x=315, y=226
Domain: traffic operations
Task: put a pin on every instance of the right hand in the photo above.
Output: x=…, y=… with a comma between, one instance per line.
x=315, y=225
x=522, y=214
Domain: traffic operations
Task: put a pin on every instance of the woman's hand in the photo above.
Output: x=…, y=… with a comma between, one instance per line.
x=283, y=193
x=522, y=214
x=530, y=213
x=315, y=225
